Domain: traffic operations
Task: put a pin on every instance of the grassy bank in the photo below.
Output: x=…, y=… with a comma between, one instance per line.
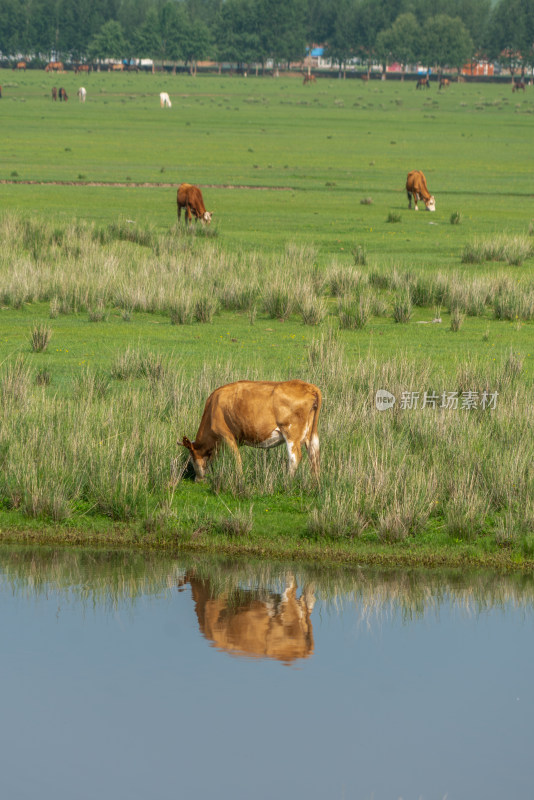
x=116, y=323
x=117, y=336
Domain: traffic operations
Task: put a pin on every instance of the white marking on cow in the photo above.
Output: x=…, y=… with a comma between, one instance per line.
x=274, y=439
x=292, y=452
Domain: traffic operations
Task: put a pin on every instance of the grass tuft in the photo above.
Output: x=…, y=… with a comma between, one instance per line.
x=40, y=336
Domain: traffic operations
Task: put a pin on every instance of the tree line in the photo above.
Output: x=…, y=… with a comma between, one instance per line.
x=439, y=33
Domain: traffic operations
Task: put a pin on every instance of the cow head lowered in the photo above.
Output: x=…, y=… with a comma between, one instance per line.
x=199, y=459
x=260, y=414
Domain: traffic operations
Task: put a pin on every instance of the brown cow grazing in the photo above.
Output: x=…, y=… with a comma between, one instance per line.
x=54, y=66
x=423, y=82
x=416, y=186
x=63, y=94
x=190, y=198
x=309, y=79
x=259, y=414
x=444, y=83
x=22, y=65
x=517, y=85
x=255, y=622
x=54, y=93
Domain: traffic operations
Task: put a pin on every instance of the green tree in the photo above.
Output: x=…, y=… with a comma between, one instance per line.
x=109, y=42
x=446, y=42
x=402, y=41
x=11, y=27
x=341, y=43
x=196, y=44
x=238, y=39
x=283, y=30
x=173, y=27
x=511, y=34
x=147, y=39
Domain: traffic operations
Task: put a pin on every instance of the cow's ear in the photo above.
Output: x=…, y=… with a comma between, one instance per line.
x=187, y=443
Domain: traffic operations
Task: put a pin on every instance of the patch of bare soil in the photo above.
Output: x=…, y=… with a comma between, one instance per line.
x=148, y=185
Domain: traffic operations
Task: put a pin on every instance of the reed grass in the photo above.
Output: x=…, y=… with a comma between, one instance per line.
x=75, y=268
x=387, y=476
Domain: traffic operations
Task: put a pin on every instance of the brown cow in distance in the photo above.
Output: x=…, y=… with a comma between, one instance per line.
x=423, y=82
x=416, y=186
x=259, y=414
x=255, y=623
x=309, y=79
x=54, y=93
x=444, y=83
x=518, y=85
x=190, y=198
x=63, y=94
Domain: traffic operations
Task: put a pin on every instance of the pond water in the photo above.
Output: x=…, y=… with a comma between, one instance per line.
x=131, y=676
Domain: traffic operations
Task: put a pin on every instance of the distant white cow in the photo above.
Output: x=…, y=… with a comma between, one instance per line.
x=82, y=94
x=165, y=100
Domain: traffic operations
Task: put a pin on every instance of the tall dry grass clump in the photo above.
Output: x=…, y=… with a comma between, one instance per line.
x=40, y=336
x=513, y=250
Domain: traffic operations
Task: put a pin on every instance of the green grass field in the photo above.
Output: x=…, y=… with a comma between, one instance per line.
x=92, y=252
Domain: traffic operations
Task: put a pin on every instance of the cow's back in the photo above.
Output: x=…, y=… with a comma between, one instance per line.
x=252, y=409
x=189, y=195
x=415, y=181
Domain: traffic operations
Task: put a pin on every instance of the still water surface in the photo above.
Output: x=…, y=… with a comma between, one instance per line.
x=125, y=676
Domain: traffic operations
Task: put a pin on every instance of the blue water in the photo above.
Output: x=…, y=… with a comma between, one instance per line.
x=128, y=697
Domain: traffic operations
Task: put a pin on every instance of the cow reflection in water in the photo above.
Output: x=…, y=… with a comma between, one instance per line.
x=256, y=623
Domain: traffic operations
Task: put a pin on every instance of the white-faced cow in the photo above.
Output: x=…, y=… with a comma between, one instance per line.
x=82, y=94
x=190, y=198
x=165, y=100
x=259, y=414
x=416, y=186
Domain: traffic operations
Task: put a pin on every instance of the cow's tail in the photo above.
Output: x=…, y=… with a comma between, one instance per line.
x=313, y=446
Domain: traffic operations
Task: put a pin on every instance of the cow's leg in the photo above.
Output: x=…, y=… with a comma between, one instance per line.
x=416, y=198
x=313, y=454
x=232, y=444
x=294, y=453
x=409, y=198
x=179, y=211
x=188, y=215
